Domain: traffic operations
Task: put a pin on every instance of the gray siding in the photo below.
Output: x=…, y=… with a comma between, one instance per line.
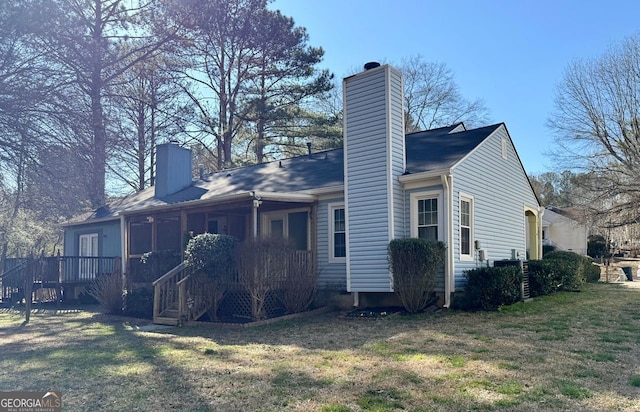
x=331, y=276
x=500, y=191
x=109, y=242
x=374, y=158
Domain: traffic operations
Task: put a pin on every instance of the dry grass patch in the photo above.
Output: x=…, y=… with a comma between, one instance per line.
x=447, y=361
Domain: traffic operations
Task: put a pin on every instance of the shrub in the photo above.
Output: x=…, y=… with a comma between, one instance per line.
x=415, y=263
x=490, y=288
x=138, y=303
x=212, y=256
x=548, y=249
x=569, y=269
x=542, y=280
x=107, y=290
x=155, y=264
x=597, y=246
x=300, y=285
x=592, y=273
x=262, y=268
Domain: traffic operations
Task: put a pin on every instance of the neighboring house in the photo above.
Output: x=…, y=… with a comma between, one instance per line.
x=466, y=188
x=561, y=228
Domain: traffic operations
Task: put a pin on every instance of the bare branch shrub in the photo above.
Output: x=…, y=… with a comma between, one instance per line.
x=107, y=290
x=300, y=284
x=415, y=263
x=262, y=267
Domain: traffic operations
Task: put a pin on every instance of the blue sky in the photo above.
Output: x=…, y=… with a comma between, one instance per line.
x=509, y=53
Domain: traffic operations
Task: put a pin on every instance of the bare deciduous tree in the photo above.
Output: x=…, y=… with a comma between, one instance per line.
x=597, y=125
x=433, y=99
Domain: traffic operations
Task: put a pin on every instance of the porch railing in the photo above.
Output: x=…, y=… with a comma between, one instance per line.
x=54, y=271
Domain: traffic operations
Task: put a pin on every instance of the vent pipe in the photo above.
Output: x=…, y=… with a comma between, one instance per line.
x=309, y=150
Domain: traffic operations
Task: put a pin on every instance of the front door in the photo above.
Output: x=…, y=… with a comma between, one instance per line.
x=88, y=264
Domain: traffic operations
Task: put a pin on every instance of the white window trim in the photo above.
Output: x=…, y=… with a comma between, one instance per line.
x=432, y=194
x=332, y=258
x=467, y=198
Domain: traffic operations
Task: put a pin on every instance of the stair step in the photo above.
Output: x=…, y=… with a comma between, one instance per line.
x=161, y=320
x=170, y=313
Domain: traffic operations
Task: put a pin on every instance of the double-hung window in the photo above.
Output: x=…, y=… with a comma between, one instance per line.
x=466, y=227
x=426, y=215
x=337, y=233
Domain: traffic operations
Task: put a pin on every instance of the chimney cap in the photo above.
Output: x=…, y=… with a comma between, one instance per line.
x=371, y=65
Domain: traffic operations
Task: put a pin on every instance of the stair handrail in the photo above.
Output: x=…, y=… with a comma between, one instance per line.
x=191, y=305
x=162, y=292
x=13, y=270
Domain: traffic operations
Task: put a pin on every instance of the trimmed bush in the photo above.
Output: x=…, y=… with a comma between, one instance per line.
x=548, y=249
x=415, y=263
x=213, y=253
x=138, y=303
x=156, y=264
x=542, y=280
x=490, y=288
x=592, y=273
x=213, y=258
x=569, y=269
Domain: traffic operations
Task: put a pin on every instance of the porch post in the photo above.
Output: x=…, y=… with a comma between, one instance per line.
x=254, y=210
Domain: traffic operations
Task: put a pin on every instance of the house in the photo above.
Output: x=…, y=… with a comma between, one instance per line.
x=562, y=228
x=467, y=188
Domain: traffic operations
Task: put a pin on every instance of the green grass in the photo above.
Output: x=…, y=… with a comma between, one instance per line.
x=446, y=361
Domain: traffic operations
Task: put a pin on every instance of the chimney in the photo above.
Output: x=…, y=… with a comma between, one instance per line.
x=173, y=169
x=374, y=156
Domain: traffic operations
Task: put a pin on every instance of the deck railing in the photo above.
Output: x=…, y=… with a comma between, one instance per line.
x=54, y=271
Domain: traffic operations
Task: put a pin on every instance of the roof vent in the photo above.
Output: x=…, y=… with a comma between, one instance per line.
x=371, y=65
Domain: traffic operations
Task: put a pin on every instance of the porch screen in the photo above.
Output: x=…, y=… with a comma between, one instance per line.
x=298, y=229
x=168, y=233
x=140, y=238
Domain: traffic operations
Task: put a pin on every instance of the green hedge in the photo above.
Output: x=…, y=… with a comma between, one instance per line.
x=561, y=270
x=491, y=288
x=415, y=264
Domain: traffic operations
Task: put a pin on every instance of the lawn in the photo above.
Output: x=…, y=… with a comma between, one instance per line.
x=570, y=351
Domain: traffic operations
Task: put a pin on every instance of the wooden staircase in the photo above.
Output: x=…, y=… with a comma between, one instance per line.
x=178, y=297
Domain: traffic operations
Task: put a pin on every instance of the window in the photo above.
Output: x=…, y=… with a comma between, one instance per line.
x=428, y=219
x=466, y=227
x=140, y=237
x=337, y=233
x=427, y=215
x=293, y=225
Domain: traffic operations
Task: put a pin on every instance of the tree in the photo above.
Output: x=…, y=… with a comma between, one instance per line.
x=597, y=127
x=285, y=76
x=92, y=43
x=557, y=189
x=150, y=108
x=249, y=67
x=433, y=99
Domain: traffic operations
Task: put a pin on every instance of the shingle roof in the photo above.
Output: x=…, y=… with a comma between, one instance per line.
x=440, y=149
x=436, y=149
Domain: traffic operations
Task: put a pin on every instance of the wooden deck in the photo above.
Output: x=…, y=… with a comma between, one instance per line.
x=55, y=273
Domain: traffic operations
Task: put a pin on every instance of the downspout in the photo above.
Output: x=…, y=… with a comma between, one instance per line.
x=123, y=248
x=448, y=185
x=539, y=240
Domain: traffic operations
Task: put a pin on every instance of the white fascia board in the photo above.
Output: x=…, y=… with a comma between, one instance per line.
x=417, y=178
